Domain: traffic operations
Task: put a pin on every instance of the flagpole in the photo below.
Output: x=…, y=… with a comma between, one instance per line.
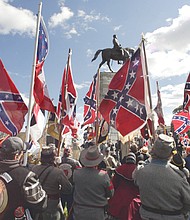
x=148, y=84
x=65, y=88
x=97, y=103
x=164, y=126
x=27, y=137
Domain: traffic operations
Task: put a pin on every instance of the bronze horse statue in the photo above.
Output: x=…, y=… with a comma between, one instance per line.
x=110, y=53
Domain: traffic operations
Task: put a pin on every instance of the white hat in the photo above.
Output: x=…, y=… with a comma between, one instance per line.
x=91, y=156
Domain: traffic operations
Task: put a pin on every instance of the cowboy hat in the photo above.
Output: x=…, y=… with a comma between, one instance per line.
x=91, y=156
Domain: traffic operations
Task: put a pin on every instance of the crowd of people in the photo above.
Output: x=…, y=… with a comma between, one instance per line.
x=148, y=183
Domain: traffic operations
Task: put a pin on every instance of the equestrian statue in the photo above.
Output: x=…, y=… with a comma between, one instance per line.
x=116, y=53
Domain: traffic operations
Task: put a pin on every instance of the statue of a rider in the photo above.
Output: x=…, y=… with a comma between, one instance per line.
x=117, y=46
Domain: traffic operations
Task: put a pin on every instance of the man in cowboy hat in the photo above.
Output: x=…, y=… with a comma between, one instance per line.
x=164, y=190
x=92, y=187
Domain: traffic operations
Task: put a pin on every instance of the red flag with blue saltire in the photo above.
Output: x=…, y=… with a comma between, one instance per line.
x=41, y=94
x=67, y=96
x=158, y=109
x=184, y=139
x=181, y=122
x=90, y=103
x=124, y=106
x=12, y=106
x=186, y=102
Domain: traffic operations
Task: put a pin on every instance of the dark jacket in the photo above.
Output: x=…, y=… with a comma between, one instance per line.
x=23, y=189
x=55, y=182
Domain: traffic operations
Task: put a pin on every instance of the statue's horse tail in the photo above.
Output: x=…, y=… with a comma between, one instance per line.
x=96, y=55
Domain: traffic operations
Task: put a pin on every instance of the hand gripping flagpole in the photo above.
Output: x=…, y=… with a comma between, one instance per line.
x=30, y=105
x=148, y=85
x=65, y=89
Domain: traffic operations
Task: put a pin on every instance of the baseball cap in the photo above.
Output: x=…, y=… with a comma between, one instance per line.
x=12, y=145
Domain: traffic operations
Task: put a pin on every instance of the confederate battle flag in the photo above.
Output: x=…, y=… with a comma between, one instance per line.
x=90, y=102
x=67, y=96
x=124, y=106
x=181, y=122
x=12, y=106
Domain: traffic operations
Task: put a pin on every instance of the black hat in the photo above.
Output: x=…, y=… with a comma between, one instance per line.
x=131, y=158
x=177, y=160
x=48, y=152
x=12, y=145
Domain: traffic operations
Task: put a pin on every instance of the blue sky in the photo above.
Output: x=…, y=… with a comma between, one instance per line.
x=88, y=25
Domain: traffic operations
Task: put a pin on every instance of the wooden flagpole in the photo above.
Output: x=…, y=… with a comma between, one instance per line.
x=65, y=89
x=148, y=84
x=30, y=105
x=97, y=104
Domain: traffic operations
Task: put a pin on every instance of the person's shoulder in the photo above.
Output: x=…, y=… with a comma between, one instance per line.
x=20, y=171
x=79, y=169
x=102, y=173
x=177, y=170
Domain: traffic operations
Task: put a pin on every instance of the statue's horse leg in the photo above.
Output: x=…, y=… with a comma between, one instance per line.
x=108, y=63
x=103, y=61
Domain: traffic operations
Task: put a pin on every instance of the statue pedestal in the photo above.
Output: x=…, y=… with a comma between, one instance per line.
x=105, y=79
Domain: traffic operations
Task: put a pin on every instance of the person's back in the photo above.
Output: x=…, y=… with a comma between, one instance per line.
x=53, y=181
x=125, y=189
x=92, y=187
x=21, y=192
x=67, y=159
x=164, y=190
x=68, y=165
x=161, y=184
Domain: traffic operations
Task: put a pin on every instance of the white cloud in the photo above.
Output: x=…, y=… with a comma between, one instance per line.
x=77, y=24
x=92, y=16
x=81, y=13
x=168, y=48
x=83, y=85
x=71, y=32
x=117, y=28
x=89, y=53
x=16, y=20
x=59, y=19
